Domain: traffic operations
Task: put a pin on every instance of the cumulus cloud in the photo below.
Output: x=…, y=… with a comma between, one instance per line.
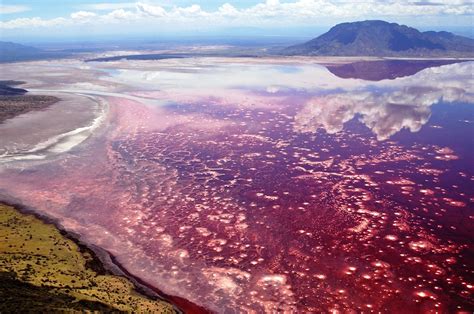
x=382, y=117
x=387, y=112
x=228, y=9
x=107, y=6
x=80, y=15
x=119, y=14
x=269, y=10
x=34, y=22
x=151, y=10
x=193, y=11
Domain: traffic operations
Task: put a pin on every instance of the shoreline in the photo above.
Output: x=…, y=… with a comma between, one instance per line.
x=56, y=140
x=106, y=263
x=103, y=261
x=149, y=56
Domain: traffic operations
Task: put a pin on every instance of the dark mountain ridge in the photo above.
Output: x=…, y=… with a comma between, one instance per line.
x=13, y=52
x=380, y=38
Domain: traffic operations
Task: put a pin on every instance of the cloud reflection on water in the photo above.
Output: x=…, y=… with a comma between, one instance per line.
x=215, y=198
x=389, y=106
x=328, y=101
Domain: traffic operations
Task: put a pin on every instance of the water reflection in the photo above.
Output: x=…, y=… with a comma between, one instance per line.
x=387, y=108
x=224, y=196
x=385, y=69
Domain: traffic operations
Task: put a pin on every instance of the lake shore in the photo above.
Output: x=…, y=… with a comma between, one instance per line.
x=105, y=264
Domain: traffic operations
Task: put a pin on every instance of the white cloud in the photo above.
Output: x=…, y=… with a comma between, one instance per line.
x=270, y=11
x=10, y=9
x=228, y=9
x=376, y=112
x=33, y=22
x=108, y=6
x=193, y=11
x=386, y=113
x=80, y=15
x=151, y=10
x=120, y=14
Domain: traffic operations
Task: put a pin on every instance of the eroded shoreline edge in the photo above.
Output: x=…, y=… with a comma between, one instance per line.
x=104, y=261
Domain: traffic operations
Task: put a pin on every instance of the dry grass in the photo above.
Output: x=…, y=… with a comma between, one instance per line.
x=37, y=254
x=12, y=106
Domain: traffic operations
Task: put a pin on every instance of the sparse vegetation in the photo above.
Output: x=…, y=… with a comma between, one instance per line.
x=42, y=270
x=12, y=106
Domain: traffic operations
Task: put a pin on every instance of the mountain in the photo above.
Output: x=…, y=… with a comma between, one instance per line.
x=380, y=38
x=15, y=52
x=12, y=52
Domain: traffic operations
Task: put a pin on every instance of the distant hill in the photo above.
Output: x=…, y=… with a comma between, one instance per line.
x=15, y=52
x=380, y=38
x=12, y=52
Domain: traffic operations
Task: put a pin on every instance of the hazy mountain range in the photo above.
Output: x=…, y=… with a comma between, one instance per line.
x=12, y=52
x=380, y=38
x=366, y=38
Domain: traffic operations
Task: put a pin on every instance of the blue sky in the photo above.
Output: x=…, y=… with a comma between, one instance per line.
x=55, y=8
x=22, y=19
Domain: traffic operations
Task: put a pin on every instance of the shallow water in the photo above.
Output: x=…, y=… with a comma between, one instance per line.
x=262, y=185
